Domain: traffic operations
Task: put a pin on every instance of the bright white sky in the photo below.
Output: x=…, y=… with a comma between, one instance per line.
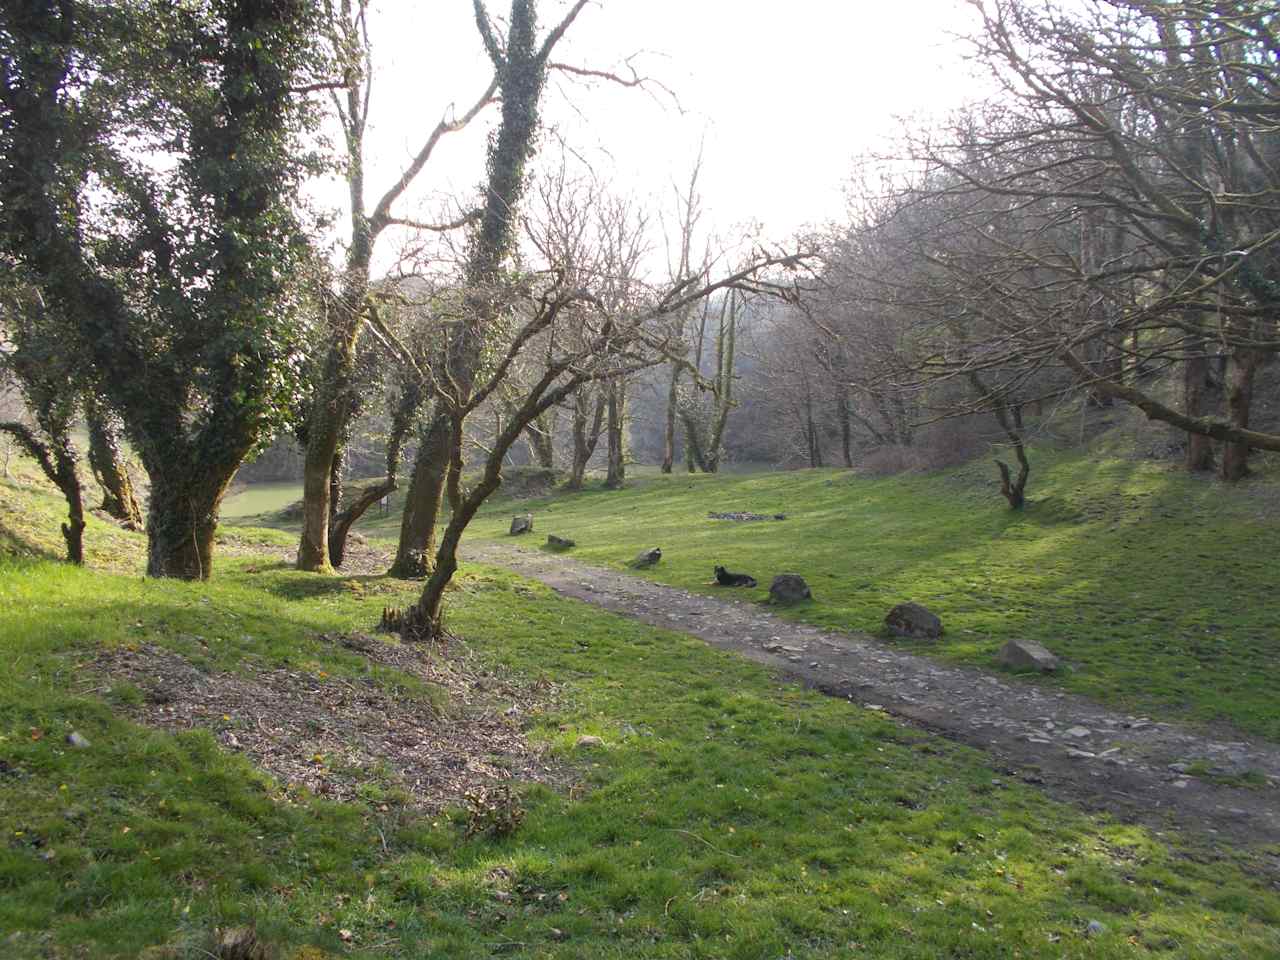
x=785, y=93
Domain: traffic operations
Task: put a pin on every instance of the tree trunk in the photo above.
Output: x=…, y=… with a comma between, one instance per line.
x=182, y=517
x=669, y=432
x=326, y=428
x=1195, y=374
x=585, y=436
x=424, y=500
x=616, y=435
x=540, y=435
x=107, y=464
x=57, y=459
x=846, y=426
x=1241, y=365
x=340, y=528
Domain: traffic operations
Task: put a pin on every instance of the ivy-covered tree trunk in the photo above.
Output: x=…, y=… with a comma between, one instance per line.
x=108, y=466
x=425, y=499
x=182, y=518
x=521, y=74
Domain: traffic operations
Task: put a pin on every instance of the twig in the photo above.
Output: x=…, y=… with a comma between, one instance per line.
x=689, y=833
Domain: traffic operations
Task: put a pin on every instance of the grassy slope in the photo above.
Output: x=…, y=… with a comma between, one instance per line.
x=727, y=815
x=1157, y=588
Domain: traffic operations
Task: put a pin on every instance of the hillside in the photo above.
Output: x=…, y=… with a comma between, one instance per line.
x=720, y=813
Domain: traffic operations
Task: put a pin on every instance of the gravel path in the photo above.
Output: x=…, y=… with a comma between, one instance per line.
x=1139, y=768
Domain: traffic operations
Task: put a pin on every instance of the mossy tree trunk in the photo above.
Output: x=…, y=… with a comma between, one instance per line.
x=107, y=463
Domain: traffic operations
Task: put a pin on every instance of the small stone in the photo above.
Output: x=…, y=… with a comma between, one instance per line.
x=789, y=588
x=1095, y=929
x=587, y=740
x=76, y=740
x=914, y=622
x=560, y=543
x=523, y=524
x=1027, y=655
x=1079, y=754
x=1078, y=733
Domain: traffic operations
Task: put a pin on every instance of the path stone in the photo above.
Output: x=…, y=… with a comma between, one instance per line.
x=1041, y=734
x=789, y=588
x=647, y=558
x=1027, y=655
x=914, y=622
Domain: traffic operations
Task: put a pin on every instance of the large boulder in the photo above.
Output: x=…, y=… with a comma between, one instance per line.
x=523, y=524
x=914, y=622
x=789, y=588
x=647, y=558
x=1027, y=655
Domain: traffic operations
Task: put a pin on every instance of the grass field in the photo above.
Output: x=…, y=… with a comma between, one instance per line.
x=1157, y=588
x=724, y=815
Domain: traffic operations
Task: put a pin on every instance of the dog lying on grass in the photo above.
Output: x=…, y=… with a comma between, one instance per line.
x=726, y=579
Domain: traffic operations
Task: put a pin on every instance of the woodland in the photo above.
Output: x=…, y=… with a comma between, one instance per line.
x=1026, y=377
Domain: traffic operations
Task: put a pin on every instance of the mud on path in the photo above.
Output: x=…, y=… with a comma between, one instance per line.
x=1213, y=785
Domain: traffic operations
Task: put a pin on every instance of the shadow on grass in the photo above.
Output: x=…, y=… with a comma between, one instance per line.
x=310, y=586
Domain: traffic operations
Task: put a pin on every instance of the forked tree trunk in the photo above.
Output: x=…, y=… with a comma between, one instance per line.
x=402, y=417
x=586, y=435
x=107, y=464
x=326, y=428
x=57, y=459
x=1010, y=419
x=340, y=528
x=1195, y=374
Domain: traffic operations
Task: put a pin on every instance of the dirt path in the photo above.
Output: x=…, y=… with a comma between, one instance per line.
x=1138, y=768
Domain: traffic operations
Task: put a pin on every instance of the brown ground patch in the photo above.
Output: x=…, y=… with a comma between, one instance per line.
x=349, y=739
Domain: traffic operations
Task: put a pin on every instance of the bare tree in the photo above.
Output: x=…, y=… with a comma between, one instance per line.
x=336, y=397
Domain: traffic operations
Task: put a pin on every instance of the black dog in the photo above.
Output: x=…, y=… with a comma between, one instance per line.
x=727, y=579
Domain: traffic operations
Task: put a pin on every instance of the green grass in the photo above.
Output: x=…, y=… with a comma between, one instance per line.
x=255, y=499
x=1155, y=587
x=727, y=814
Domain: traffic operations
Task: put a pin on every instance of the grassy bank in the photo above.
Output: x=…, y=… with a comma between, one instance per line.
x=722, y=815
